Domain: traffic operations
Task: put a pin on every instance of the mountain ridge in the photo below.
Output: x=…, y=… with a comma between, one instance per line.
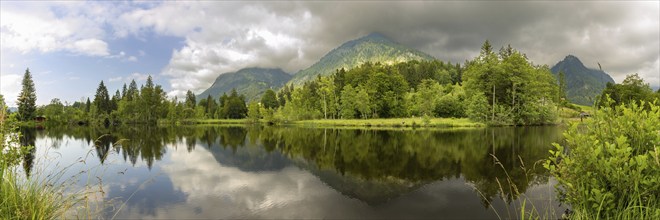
x=250, y=81
x=583, y=84
x=374, y=47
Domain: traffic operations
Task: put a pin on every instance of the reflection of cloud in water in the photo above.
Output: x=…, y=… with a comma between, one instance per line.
x=217, y=191
x=250, y=158
x=214, y=190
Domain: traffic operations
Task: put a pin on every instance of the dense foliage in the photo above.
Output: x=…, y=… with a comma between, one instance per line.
x=632, y=89
x=609, y=167
x=131, y=105
x=233, y=106
x=506, y=88
x=371, y=90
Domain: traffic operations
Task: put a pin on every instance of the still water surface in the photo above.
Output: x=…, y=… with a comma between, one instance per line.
x=293, y=172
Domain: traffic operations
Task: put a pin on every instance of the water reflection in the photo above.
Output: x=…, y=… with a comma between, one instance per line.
x=28, y=138
x=290, y=172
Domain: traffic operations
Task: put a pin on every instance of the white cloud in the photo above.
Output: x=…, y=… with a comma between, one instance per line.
x=10, y=86
x=36, y=27
x=223, y=37
x=140, y=78
x=93, y=47
x=115, y=79
x=227, y=36
x=123, y=57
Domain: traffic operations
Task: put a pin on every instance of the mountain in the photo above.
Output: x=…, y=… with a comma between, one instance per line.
x=251, y=82
x=582, y=84
x=371, y=48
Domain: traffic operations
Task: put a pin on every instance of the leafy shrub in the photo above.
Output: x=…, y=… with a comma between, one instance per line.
x=609, y=167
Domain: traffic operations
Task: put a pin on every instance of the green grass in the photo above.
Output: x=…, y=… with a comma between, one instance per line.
x=48, y=194
x=375, y=123
x=585, y=108
x=568, y=115
x=220, y=121
x=23, y=198
x=208, y=121
x=392, y=123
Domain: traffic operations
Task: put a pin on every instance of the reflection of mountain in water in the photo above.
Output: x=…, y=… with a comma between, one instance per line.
x=372, y=192
x=249, y=158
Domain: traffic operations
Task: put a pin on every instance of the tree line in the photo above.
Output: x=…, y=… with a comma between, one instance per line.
x=495, y=87
x=633, y=89
x=502, y=87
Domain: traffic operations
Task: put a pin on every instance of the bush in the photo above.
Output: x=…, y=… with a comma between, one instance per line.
x=609, y=167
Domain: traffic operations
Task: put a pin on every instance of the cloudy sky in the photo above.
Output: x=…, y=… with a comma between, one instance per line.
x=71, y=46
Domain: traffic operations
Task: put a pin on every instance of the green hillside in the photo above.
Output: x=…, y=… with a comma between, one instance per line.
x=371, y=48
x=251, y=82
x=582, y=84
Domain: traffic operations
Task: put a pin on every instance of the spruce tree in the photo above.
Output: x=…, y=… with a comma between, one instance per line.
x=190, y=100
x=102, y=99
x=27, y=98
x=88, y=105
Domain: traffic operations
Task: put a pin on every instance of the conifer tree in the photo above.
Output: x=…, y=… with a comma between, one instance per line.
x=27, y=98
x=102, y=99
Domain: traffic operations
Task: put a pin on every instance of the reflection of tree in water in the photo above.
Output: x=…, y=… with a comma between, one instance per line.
x=28, y=138
x=133, y=143
x=360, y=163
x=102, y=146
x=148, y=143
x=233, y=137
x=422, y=156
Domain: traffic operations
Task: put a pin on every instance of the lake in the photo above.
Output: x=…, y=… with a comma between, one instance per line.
x=298, y=172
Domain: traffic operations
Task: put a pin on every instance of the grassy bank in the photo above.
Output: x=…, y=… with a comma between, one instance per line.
x=205, y=121
x=31, y=198
x=41, y=193
x=378, y=123
x=22, y=197
x=392, y=122
x=217, y=121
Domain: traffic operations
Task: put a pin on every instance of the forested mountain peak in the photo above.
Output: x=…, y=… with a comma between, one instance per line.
x=374, y=48
x=251, y=82
x=372, y=37
x=583, y=84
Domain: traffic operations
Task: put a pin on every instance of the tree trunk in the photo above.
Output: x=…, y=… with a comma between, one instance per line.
x=493, y=111
x=513, y=105
x=325, y=112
